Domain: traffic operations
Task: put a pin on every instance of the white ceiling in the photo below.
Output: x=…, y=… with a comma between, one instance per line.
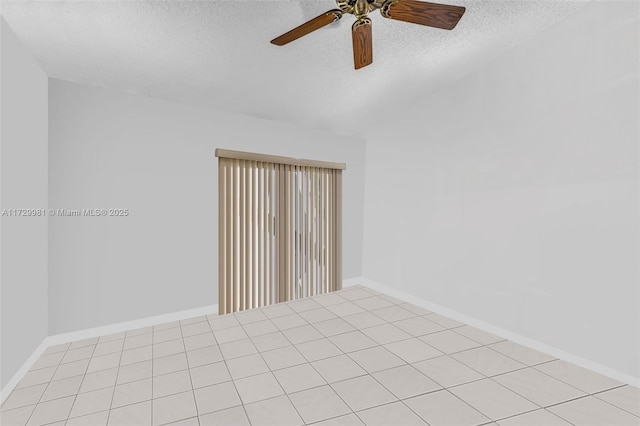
x=217, y=53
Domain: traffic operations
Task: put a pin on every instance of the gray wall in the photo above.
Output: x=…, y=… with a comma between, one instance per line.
x=23, y=185
x=512, y=195
x=113, y=150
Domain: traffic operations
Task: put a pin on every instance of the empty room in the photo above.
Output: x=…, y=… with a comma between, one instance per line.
x=320, y=212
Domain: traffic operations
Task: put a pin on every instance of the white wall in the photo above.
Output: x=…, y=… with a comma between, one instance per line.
x=156, y=158
x=512, y=195
x=23, y=185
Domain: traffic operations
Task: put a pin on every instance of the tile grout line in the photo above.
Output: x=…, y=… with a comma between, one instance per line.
x=193, y=393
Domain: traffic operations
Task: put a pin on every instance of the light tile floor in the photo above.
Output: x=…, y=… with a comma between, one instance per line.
x=352, y=357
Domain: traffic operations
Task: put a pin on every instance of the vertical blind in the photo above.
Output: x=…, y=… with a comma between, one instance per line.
x=280, y=229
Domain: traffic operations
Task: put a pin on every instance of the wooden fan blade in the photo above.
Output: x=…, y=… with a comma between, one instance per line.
x=423, y=13
x=308, y=27
x=362, y=43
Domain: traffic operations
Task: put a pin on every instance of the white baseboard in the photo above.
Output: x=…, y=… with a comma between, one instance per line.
x=498, y=331
x=350, y=282
x=13, y=382
x=101, y=331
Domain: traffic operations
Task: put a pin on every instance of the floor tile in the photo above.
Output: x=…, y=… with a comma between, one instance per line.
x=418, y=326
x=363, y=392
x=583, y=379
x=133, y=372
x=441, y=408
x=344, y=309
x=363, y=320
x=270, y=341
x=133, y=342
x=51, y=411
x=329, y=299
x=167, y=335
x=163, y=349
x=591, y=411
x=259, y=328
x=277, y=310
x=318, y=404
x=167, y=384
x=492, y=399
x=376, y=359
x=406, y=382
x=487, y=361
x=139, y=331
x=538, y=387
x=61, y=388
x=393, y=313
x=249, y=316
x=371, y=303
x=385, y=333
x=447, y=371
x=283, y=358
x=209, y=374
x=51, y=360
x=104, y=348
x=56, y=348
x=173, y=408
x=199, y=341
x=317, y=315
x=449, y=341
x=193, y=320
x=103, y=362
x=170, y=364
x=16, y=416
x=91, y=402
x=231, y=334
x=24, y=396
x=413, y=350
x=165, y=326
x=246, y=366
x=216, y=397
x=302, y=334
x=225, y=321
x=318, y=349
x=83, y=343
x=352, y=341
x=257, y=388
x=521, y=353
x=79, y=354
x=75, y=368
x=348, y=420
x=534, y=418
x=626, y=397
x=276, y=411
x=95, y=419
x=204, y=356
x=113, y=336
x=395, y=413
x=237, y=349
x=99, y=380
x=191, y=421
x=444, y=321
x=338, y=368
x=132, y=393
x=288, y=321
x=136, y=355
x=299, y=377
x=418, y=310
x=333, y=327
x=355, y=293
x=37, y=377
x=196, y=328
x=235, y=416
x=478, y=335
x=303, y=305
x=131, y=415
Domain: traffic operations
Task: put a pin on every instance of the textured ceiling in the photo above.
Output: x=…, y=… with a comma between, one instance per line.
x=217, y=53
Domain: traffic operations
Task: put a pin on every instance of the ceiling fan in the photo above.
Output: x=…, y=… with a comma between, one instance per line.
x=414, y=11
